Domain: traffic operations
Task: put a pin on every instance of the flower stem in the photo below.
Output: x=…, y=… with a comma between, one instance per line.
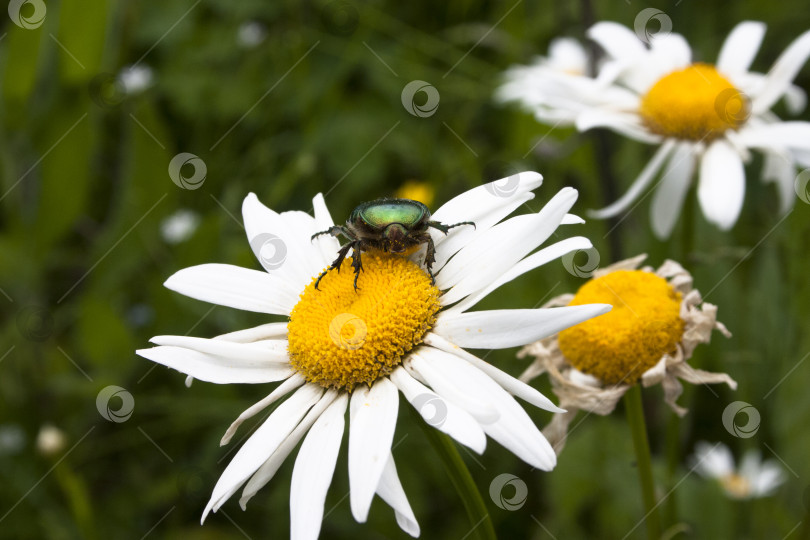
x=638, y=429
x=462, y=481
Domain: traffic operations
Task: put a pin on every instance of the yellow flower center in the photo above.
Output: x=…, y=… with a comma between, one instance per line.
x=694, y=103
x=339, y=337
x=735, y=485
x=643, y=325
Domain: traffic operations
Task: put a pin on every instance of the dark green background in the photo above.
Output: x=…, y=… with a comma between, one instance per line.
x=82, y=262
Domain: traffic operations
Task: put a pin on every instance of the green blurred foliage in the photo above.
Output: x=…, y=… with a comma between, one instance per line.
x=313, y=105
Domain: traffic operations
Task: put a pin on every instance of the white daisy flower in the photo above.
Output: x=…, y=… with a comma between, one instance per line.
x=755, y=477
x=705, y=118
x=345, y=349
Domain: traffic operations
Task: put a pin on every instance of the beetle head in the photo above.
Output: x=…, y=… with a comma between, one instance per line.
x=396, y=234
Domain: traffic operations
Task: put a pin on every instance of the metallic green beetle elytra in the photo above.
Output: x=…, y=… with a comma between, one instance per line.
x=390, y=225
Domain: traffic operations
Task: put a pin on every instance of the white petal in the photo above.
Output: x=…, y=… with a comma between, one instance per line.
x=269, y=468
x=232, y=286
x=282, y=242
x=263, y=331
x=469, y=271
x=328, y=244
x=741, y=47
x=485, y=206
x=371, y=431
x=390, y=489
x=214, y=368
x=669, y=194
x=512, y=428
x=314, y=468
x=618, y=41
x=262, y=444
x=257, y=353
x=713, y=461
x=779, y=136
x=639, y=184
x=571, y=219
x=782, y=74
x=531, y=262
x=281, y=390
x=622, y=123
x=440, y=413
x=449, y=387
x=721, y=188
x=499, y=329
x=672, y=50
x=780, y=168
x=507, y=382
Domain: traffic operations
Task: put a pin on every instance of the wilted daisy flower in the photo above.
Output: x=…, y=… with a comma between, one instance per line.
x=755, y=478
x=657, y=321
x=357, y=349
x=704, y=117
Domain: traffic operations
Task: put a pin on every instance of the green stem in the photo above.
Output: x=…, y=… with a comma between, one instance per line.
x=462, y=481
x=635, y=417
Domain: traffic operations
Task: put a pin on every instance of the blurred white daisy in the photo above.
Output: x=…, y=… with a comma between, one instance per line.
x=657, y=322
x=135, y=79
x=358, y=349
x=705, y=118
x=755, y=478
x=50, y=440
x=179, y=226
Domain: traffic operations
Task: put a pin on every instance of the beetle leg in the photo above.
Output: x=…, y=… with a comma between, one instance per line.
x=430, y=258
x=444, y=228
x=333, y=230
x=357, y=264
x=336, y=263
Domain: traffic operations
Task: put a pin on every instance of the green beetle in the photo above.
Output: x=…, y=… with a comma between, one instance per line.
x=391, y=225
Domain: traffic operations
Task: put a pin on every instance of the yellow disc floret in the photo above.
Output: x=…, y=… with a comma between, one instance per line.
x=339, y=337
x=643, y=325
x=694, y=103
